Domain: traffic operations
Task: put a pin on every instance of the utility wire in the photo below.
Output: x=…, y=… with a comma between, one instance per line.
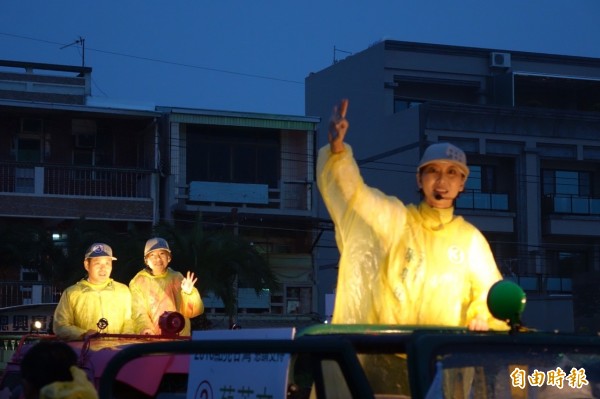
x=180, y=64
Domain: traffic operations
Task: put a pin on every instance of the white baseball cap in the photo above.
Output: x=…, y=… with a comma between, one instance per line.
x=156, y=243
x=445, y=152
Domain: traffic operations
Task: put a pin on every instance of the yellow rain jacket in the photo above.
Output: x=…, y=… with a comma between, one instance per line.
x=83, y=304
x=410, y=265
x=79, y=388
x=154, y=295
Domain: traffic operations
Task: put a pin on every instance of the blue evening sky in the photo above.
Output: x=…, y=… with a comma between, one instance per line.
x=253, y=55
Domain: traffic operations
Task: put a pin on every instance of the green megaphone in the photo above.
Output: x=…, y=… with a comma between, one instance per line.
x=506, y=301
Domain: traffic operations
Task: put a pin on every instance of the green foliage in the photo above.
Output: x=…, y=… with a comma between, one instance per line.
x=218, y=258
x=26, y=244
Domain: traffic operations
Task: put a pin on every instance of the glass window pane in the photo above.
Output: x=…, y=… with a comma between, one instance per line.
x=465, y=201
x=581, y=205
x=570, y=263
x=529, y=283
x=29, y=150
x=227, y=154
x=567, y=182
x=244, y=164
x=500, y=202
x=482, y=200
x=219, y=163
x=594, y=206
x=553, y=284
x=268, y=165
x=567, y=284
x=474, y=180
x=562, y=204
x=584, y=184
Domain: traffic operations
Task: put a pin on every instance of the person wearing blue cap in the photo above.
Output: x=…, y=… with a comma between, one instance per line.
x=403, y=263
x=96, y=303
x=158, y=289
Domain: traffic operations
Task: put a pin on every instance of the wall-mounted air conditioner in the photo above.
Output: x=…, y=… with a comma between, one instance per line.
x=500, y=60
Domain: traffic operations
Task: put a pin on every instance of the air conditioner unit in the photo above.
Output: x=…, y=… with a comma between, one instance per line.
x=500, y=60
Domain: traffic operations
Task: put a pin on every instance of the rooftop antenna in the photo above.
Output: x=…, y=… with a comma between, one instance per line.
x=80, y=41
x=337, y=50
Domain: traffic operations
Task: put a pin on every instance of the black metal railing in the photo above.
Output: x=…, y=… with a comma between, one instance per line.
x=75, y=181
x=571, y=204
x=14, y=293
x=471, y=199
x=543, y=283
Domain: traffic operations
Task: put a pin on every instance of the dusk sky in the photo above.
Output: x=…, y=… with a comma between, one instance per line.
x=253, y=55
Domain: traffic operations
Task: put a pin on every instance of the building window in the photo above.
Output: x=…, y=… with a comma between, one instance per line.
x=567, y=182
x=243, y=155
x=566, y=263
x=569, y=191
x=422, y=90
x=29, y=140
x=298, y=300
x=480, y=190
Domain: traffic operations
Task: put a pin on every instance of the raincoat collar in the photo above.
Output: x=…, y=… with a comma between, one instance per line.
x=149, y=273
x=97, y=287
x=435, y=218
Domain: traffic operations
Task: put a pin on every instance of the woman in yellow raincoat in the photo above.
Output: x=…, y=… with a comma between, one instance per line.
x=405, y=264
x=158, y=288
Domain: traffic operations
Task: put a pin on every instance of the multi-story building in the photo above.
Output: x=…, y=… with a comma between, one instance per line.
x=253, y=173
x=530, y=125
x=65, y=154
x=62, y=158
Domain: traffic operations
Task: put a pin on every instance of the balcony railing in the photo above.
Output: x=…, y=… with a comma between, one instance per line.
x=543, y=283
x=13, y=293
x=470, y=199
x=571, y=204
x=75, y=181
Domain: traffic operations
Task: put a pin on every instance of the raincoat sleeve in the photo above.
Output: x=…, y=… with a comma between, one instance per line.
x=349, y=199
x=63, y=323
x=191, y=304
x=483, y=274
x=140, y=312
x=366, y=223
